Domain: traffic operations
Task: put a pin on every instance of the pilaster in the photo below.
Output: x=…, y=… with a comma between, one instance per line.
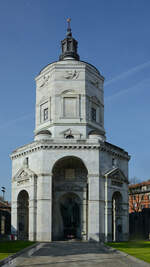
x=14, y=218
x=93, y=208
x=44, y=207
x=33, y=210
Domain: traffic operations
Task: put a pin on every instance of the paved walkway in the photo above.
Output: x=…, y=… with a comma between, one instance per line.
x=66, y=254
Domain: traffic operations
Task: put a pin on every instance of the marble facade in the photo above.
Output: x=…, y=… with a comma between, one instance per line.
x=70, y=182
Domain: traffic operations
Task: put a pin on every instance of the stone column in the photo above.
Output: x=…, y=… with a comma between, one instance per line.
x=44, y=207
x=93, y=208
x=32, y=209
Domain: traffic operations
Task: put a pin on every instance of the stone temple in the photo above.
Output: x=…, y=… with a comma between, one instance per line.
x=70, y=182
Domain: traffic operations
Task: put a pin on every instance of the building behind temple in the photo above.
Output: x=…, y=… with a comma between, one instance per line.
x=5, y=218
x=139, y=209
x=69, y=182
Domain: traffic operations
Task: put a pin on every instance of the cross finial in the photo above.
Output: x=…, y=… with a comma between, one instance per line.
x=69, y=33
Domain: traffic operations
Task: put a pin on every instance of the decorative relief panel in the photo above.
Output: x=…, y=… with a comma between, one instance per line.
x=71, y=74
x=23, y=175
x=44, y=81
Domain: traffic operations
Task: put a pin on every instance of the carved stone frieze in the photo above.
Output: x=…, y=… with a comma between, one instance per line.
x=71, y=74
x=116, y=183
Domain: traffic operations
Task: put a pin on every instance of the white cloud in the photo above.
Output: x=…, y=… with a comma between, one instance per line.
x=128, y=73
x=142, y=84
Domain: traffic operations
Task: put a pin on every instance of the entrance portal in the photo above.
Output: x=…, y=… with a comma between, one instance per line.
x=69, y=202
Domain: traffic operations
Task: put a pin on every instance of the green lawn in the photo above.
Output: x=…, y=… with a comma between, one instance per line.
x=138, y=249
x=8, y=248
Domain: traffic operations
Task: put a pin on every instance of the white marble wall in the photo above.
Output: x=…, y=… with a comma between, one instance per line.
x=69, y=79
x=83, y=85
x=41, y=163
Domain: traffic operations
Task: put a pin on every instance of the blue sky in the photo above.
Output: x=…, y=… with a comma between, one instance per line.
x=112, y=35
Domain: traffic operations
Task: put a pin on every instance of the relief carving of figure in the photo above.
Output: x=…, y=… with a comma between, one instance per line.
x=70, y=74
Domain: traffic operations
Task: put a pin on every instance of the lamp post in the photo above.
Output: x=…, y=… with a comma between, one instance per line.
x=3, y=189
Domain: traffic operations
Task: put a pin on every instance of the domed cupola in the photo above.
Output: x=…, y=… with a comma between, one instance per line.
x=69, y=45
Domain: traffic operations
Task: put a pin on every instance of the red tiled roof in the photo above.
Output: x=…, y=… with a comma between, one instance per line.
x=139, y=184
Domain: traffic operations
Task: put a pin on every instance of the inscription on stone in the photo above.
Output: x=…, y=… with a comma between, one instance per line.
x=116, y=183
x=22, y=181
x=69, y=187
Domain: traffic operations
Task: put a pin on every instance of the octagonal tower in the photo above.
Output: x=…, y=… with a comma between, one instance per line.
x=69, y=95
x=69, y=182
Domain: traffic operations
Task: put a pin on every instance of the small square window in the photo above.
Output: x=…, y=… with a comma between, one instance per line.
x=45, y=115
x=93, y=114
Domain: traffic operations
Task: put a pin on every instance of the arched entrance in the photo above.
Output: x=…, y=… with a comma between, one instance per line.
x=69, y=202
x=23, y=215
x=117, y=216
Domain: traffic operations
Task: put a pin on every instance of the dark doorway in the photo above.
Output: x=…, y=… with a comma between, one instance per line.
x=70, y=212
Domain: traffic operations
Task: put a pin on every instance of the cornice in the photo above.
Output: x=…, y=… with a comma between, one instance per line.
x=47, y=145
x=72, y=145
